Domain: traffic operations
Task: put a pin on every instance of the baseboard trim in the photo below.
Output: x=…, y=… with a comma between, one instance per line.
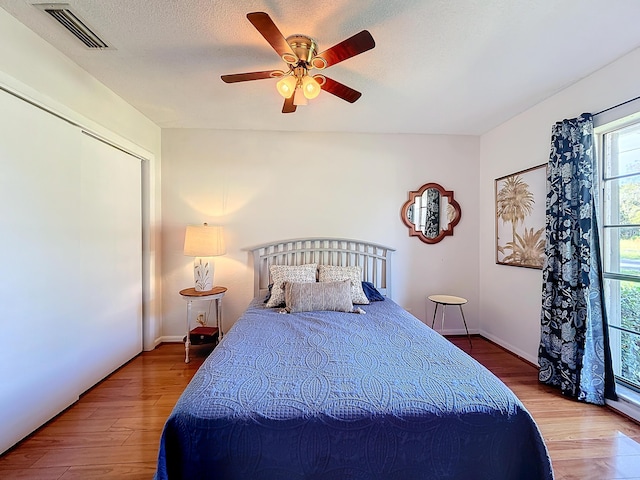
x=511, y=349
x=171, y=339
x=627, y=405
x=454, y=332
x=155, y=343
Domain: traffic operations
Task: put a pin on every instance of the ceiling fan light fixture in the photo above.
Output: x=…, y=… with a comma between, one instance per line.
x=310, y=87
x=303, y=46
x=299, y=97
x=290, y=58
x=319, y=63
x=287, y=85
x=299, y=53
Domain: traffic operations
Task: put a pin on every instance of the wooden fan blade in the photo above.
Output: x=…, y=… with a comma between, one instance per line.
x=272, y=35
x=338, y=89
x=352, y=46
x=288, y=106
x=245, y=77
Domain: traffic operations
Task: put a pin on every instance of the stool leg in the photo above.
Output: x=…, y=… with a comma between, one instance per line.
x=434, y=316
x=444, y=307
x=465, y=326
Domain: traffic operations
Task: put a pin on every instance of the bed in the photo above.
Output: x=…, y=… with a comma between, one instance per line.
x=342, y=395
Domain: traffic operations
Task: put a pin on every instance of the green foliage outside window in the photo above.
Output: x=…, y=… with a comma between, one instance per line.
x=630, y=348
x=630, y=209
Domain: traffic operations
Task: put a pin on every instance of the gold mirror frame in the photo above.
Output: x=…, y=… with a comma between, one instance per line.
x=452, y=217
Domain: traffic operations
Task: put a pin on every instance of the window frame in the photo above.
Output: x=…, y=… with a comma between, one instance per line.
x=609, y=227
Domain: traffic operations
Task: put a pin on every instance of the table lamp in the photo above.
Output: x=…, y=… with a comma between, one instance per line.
x=203, y=242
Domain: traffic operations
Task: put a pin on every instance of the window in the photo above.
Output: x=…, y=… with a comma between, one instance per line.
x=619, y=160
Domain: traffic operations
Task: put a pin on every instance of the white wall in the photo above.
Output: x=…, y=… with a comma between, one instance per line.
x=34, y=69
x=510, y=296
x=267, y=186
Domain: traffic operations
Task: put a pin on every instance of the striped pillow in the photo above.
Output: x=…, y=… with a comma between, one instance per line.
x=309, y=297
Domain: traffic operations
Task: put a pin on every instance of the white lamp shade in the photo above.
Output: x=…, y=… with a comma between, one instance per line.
x=310, y=87
x=286, y=86
x=204, y=241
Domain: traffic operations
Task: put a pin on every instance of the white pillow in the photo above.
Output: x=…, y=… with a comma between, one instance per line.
x=334, y=273
x=288, y=273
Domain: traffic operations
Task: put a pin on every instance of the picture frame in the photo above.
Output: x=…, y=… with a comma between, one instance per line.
x=520, y=205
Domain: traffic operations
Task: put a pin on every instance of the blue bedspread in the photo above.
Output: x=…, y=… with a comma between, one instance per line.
x=328, y=395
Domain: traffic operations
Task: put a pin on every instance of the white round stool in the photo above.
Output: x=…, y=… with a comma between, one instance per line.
x=445, y=300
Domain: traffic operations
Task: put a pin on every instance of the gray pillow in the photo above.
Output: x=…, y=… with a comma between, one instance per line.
x=308, y=297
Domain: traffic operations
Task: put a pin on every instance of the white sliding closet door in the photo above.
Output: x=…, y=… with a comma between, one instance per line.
x=110, y=259
x=70, y=264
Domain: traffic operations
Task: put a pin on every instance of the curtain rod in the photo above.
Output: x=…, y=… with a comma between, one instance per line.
x=616, y=106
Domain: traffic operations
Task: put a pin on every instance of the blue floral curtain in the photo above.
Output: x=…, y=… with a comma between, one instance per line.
x=574, y=352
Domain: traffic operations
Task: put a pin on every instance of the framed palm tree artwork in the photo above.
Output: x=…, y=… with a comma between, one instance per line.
x=520, y=218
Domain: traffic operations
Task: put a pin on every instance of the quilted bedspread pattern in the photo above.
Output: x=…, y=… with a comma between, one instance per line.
x=324, y=395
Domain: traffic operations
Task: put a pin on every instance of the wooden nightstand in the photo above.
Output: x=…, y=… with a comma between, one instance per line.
x=191, y=295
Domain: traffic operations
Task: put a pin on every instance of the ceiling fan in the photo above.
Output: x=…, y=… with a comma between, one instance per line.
x=299, y=52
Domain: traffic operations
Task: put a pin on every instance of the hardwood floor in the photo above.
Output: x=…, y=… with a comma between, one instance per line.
x=584, y=441
x=113, y=430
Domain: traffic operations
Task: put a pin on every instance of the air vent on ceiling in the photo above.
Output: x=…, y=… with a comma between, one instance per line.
x=63, y=14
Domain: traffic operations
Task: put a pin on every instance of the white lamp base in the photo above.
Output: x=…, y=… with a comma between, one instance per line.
x=203, y=273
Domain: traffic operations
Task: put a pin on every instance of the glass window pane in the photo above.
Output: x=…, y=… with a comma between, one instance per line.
x=622, y=250
x=623, y=149
x=622, y=299
x=622, y=198
x=630, y=306
x=629, y=361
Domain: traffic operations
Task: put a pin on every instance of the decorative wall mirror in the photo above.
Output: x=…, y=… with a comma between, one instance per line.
x=431, y=213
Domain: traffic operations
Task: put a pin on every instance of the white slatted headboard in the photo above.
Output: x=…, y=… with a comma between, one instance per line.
x=374, y=259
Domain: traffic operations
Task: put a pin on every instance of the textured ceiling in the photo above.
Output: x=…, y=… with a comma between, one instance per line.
x=439, y=66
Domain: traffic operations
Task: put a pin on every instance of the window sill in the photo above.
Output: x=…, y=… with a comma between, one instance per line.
x=628, y=402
